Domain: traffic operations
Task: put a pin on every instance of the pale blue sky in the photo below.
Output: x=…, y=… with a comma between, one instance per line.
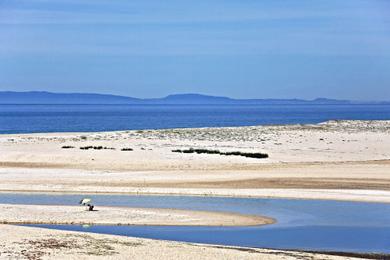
x=237, y=48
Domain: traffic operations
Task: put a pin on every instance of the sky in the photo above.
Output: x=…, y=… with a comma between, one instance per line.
x=236, y=48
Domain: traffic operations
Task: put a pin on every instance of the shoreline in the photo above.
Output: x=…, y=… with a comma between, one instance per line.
x=333, y=122
x=337, y=194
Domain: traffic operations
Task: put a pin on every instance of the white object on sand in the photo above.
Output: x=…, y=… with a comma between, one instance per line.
x=85, y=201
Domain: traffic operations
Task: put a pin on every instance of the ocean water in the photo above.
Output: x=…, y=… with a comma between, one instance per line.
x=85, y=118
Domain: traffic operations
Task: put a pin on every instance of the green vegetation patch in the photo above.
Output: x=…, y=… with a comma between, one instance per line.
x=235, y=153
x=67, y=147
x=96, y=147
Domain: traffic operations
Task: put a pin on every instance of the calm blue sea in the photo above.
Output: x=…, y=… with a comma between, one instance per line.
x=82, y=118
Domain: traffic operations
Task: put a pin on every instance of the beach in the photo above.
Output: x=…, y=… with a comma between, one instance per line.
x=334, y=160
x=194, y=130
x=347, y=160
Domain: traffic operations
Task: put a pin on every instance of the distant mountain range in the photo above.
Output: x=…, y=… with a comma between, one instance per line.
x=42, y=97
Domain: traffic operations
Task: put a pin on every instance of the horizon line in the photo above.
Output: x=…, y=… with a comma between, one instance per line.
x=191, y=93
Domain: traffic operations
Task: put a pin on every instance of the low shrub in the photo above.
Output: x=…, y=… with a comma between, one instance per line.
x=91, y=147
x=86, y=147
x=235, y=153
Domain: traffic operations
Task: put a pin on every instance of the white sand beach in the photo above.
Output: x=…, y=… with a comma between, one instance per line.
x=348, y=160
x=337, y=160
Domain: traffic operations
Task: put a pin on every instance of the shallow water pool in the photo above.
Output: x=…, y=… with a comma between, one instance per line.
x=302, y=224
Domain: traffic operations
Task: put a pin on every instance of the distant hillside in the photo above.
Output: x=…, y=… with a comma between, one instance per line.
x=41, y=97
x=193, y=99
x=204, y=99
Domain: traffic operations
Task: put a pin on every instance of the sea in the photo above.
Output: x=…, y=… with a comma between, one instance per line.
x=91, y=118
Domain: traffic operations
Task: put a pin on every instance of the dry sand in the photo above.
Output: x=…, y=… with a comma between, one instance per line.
x=44, y=214
x=335, y=141
x=333, y=160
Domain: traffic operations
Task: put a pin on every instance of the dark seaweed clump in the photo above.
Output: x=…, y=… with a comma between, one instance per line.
x=96, y=147
x=236, y=153
x=91, y=147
